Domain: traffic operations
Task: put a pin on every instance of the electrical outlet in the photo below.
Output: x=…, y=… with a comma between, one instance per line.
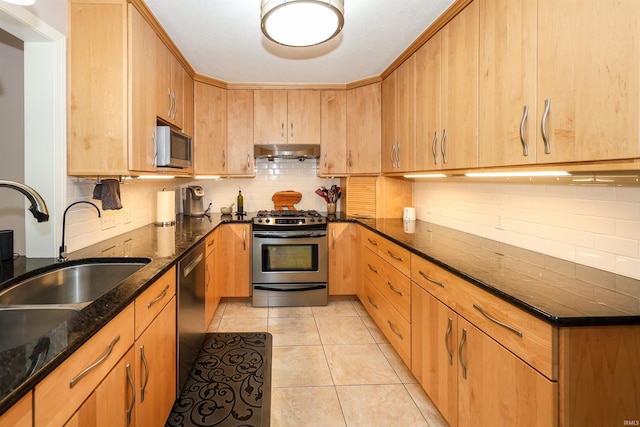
x=128, y=216
x=499, y=222
x=108, y=220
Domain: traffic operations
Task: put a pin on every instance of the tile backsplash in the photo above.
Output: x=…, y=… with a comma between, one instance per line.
x=138, y=197
x=590, y=225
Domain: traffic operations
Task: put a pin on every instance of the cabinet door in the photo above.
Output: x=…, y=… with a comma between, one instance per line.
x=20, y=414
x=508, y=36
x=342, y=258
x=495, y=385
x=164, y=92
x=188, y=93
x=303, y=112
x=112, y=403
x=406, y=116
x=428, y=105
x=389, y=117
x=210, y=140
x=155, y=353
x=460, y=89
x=363, y=129
x=270, y=117
x=589, y=72
x=211, y=296
x=233, y=267
x=178, y=75
x=240, y=132
x=433, y=351
x=142, y=71
x=333, y=133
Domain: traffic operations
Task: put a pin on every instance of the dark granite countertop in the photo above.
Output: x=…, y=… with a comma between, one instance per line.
x=17, y=375
x=559, y=292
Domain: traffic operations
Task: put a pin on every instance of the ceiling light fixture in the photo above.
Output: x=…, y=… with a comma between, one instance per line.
x=300, y=23
x=21, y=2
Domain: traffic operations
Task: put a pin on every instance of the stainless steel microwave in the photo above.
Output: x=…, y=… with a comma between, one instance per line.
x=173, y=149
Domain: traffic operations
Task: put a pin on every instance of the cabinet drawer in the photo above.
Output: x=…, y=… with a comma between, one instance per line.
x=530, y=338
x=396, y=328
x=153, y=300
x=210, y=242
x=61, y=393
x=396, y=255
x=395, y=286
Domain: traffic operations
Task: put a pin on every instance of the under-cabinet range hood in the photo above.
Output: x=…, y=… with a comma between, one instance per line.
x=286, y=151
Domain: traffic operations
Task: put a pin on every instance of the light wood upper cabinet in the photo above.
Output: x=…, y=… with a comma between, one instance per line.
x=343, y=245
x=333, y=133
x=286, y=117
x=460, y=89
x=364, y=129
x=508, y=66
x=240, y=132
x=398, y=118
x=210, y=138
x=170, y=86
x=589, y=72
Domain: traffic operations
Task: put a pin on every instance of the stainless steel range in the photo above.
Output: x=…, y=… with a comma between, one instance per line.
x=289, y=259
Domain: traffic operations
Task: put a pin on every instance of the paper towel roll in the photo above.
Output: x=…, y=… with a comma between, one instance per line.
x=409, y=214
x=166, y=208
x=166, y=240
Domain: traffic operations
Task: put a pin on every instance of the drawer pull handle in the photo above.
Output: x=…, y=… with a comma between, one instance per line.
x=75, y=380
x=133, y=394
x=371, y=302
x=394, y=289
x=525, y=146
x=373, y=242
x=372, y=269
x=159, y=297
x=394, y=330
x=146, y=370
x=446, y=340
x=463, y=340
x=494, y=320
x=209, y=244
x=423, y=274
x=545, y=137
x=394, y=256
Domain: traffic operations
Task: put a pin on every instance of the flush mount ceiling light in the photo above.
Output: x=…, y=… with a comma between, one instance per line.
x=21, y=2
x=301, y=22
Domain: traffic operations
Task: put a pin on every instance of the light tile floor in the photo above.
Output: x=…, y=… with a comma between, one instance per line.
x=331, y=367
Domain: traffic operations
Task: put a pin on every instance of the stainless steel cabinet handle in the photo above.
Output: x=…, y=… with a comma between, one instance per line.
x=170, y=102
x=159, y=297
x=371, y=302
x=525, y=146
x=446, y=340
x=333, y=237
x=393, y=149
x=155, y=148
x=394, y=289
x=423, y=274
x=350, y=160
x=175, y=106
x=463, y=340
x=146, y=370
x=373, y=242
x=291, y=131
x=224, y=158
x=372, y=269
x=325, y=159
x=282, y=130
x=133, y=394
x=248, y=161
x=99, y=361
x=211, y=243
x=443, y=146
x=394, y=330
x=394, y=256
x=434, y=150
x=398, y=155
x=494, y=320
x=545, y=137
x=244, y=239
x=206, y=269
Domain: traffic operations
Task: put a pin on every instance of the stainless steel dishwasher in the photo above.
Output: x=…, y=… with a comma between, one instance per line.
x=191, y=296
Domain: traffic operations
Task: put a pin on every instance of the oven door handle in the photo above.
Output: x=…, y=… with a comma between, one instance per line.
x=290, y=235
x=305, y=288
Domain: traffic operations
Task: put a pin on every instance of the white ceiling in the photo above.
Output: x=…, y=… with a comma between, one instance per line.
x=222, y=39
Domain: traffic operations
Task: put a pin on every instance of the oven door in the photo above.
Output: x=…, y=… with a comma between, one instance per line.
x=290, y=256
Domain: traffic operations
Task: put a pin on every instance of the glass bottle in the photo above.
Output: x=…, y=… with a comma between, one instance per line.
x=240, y=202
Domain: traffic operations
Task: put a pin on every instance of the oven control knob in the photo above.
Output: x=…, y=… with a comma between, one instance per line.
x=267, y=220
x=259, y=220
x=312, y=220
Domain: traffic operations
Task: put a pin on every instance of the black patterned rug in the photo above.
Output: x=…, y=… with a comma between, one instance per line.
x=229, y=384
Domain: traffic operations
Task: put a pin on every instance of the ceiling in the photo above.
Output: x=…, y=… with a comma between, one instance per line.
x=222, y=39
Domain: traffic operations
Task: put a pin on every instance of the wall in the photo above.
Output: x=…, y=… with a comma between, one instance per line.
x=598, y=226
x=138, y=197
x=12, y=203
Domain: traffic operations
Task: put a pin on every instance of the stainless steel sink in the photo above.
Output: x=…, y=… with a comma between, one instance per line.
x=21, y=325
x=71, y=283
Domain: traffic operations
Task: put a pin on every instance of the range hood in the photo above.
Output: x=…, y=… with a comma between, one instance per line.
x=286, y=151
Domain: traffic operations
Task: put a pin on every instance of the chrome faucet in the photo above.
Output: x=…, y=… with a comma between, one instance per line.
x=38, y=207
x=62, y=257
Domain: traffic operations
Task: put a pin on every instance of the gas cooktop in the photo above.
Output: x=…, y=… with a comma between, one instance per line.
x=288, y=217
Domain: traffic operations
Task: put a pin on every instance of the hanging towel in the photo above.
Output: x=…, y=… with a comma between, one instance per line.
x=109, y=192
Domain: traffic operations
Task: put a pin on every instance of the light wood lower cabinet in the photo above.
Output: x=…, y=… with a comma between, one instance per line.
x=342, y=263
x=212, y=293
x=20, y=414
x=233, y=261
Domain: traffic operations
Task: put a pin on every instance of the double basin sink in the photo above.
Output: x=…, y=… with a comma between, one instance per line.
x=32, y=307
